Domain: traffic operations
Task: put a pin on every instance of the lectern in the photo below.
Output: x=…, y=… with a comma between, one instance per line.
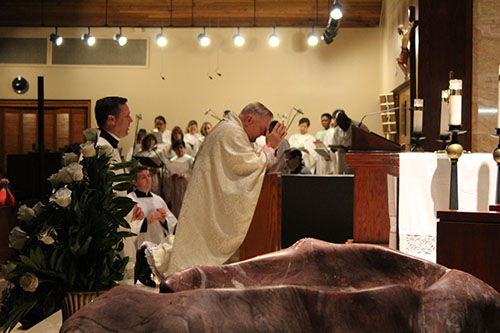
x=373, y=158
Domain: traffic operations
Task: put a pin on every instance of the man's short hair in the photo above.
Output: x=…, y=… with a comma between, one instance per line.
x=294, y=152
x=329, y=116
x=305, y=120
x=178, y=143
x=107, y=106
x=256, y=108
x=161, y=118
x=138, y=168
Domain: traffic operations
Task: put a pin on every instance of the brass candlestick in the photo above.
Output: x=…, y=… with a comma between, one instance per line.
x=454, y=150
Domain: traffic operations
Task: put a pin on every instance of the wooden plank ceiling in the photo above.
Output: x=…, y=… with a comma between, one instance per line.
x=185, y=13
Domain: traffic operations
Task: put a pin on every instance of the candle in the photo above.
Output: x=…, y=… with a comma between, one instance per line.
x=498, y=119
x=418, y=115
x=445, y=113
x=455, y=102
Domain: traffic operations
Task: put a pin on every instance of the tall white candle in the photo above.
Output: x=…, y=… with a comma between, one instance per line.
x=445, y=113
x=498, y=117
x=455, y=102
x=418, y=115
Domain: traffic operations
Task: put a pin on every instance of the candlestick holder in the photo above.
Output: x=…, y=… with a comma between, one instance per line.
x=454, y=151
x=445, y=139
x=416, y=139
x=496, y=157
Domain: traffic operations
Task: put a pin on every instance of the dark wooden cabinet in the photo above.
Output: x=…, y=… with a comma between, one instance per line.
x=470, y=242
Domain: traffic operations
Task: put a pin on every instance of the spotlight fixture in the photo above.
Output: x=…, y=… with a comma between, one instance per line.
x=331, y=31
x=88, y=38
x=204, y=39
x=336, y=12
x=312, y=39
x=55, y=38
x=273, y=38
x=161, y=40
x=122, y=40
x=238, y=39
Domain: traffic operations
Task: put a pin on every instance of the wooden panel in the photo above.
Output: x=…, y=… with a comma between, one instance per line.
x=445, y=46
x=29, y=132
x=50, y=131
x=74, y=13
x=77, y=124
x=11, y=136
x=371, y=207
x=62, y=129
x=264, y=234
x=187, y=13
x=18, y=13
x=469, y=241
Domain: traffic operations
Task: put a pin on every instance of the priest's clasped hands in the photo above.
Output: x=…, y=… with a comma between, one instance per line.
x=277, y=135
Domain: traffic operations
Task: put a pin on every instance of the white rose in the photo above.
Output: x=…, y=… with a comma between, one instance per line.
x=88, y=149
x=55, y=180
x=25, y=213
x=108, y=150
x=65, y=175
x=7, y=268
x=17, y=238
x=46, y=236
x=69, y=158
x=76, y=171
x=38, y=208
x=90, y=134
x=62, y=197
x=29, y=282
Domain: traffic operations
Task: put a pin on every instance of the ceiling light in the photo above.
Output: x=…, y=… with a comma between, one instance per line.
x=312, y=39
x=122, y=40
x=88, y=38
x=55, y=38
x=331, y=30
x=204, y=39
x=161, y=40
x=336, y=12
x=273, y=39
x=238, y=39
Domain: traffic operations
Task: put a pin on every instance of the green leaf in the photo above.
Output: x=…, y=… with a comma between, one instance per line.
x=28, y=262
x=85, y=248
x=124, y=177
x=124, y=165
x=122, y=186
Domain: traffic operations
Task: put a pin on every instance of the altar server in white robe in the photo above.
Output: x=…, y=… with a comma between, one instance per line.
x=342, y=136
x=192, y=138
x=165, y=143
x=113, y=118
x=324, y=166
x=222, y=194
x=179, y=179
x=305, y=142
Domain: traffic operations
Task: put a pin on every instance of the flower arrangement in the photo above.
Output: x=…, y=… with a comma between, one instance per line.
x=72, y=241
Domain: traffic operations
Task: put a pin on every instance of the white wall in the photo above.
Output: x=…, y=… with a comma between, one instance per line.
x=344, y=74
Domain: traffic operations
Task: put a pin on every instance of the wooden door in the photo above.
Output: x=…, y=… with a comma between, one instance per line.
x=64, y=124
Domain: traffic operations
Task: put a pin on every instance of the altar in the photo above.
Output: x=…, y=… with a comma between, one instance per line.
x=424, y=189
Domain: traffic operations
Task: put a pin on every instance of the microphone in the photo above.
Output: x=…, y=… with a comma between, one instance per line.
x=298, y=110
x=375, y=113
x=138, y=116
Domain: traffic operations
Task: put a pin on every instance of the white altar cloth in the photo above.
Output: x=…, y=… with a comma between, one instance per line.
x=424, y=188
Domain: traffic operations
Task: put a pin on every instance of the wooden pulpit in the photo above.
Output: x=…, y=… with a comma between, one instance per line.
x=373, y=158
x=264, y=234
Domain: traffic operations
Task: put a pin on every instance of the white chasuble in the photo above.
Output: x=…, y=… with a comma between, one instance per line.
x=219, y=203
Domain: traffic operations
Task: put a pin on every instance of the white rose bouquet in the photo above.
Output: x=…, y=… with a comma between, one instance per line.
x=71, y=241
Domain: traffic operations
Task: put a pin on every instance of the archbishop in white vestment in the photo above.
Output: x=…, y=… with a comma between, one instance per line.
x=221, y=197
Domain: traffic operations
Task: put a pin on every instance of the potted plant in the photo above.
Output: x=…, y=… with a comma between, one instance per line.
x=72, y=241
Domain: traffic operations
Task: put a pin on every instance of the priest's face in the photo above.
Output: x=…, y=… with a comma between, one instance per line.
x=255, y=125
x=122, y=122
x=143, y=182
